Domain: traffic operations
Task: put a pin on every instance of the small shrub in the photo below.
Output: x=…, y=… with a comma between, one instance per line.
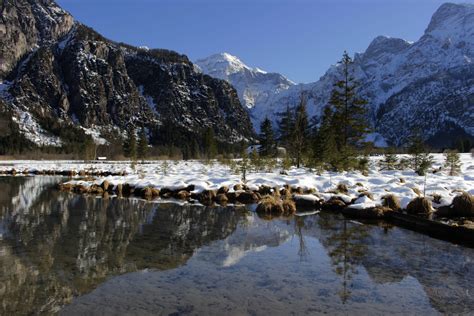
x=452, y=162
x=389, y=162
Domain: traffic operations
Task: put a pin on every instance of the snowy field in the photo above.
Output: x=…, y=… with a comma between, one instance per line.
x=205, y=176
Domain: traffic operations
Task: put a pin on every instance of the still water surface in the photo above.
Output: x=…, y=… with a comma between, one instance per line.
x=74, y=255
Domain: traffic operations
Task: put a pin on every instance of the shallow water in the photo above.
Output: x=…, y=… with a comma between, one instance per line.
x=74, y=255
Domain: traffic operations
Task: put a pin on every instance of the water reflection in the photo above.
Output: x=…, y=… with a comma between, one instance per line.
x=128, y=256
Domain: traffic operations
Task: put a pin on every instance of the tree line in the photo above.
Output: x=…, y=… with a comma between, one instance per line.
x=334, y=142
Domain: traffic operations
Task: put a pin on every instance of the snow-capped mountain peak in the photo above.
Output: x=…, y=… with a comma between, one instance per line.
x=425, y=85
x=254, y=85
x=454, y=21
x=222, y=65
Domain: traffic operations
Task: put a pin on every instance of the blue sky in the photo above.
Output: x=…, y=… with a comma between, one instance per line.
x=298, y=38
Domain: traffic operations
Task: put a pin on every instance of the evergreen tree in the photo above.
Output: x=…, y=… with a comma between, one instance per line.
x=130, y=145
x=142, y=149
x=349, y=109
x=390, y=160
x=88, y=148
x=299, y=141
x=324, y=140
x=452, y=162
x=285, y=127
x=267, y=139
x=209, y=143
x=426, y=161
x=416, y=149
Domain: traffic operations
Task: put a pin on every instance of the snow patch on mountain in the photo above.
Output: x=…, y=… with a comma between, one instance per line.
x=254, y=85
x=30, y=128
x=439, y=64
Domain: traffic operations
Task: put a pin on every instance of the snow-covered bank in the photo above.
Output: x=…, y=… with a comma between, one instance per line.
x=174, y=175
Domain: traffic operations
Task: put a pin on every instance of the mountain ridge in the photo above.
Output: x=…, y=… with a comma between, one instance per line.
x=388, y=70
x=65, y=81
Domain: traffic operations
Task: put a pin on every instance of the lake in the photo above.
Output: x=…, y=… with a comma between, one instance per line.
x=73, y=255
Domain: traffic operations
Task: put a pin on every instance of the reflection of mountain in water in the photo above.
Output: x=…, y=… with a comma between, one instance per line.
x=56, y=245
x=251, y=235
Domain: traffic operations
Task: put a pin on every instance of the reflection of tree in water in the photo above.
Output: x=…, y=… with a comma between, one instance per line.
x=303, y=251
x=345, y=243
x=63, y=245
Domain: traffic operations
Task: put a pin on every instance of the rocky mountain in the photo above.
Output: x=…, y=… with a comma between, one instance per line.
x=60, y=79
x=427, y=85
x=254, y=86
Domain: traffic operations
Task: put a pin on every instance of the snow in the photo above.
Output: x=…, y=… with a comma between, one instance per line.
x=149, y=99
x=386, y=68
x=30, y=128
x=205, y=176
x=254, y=85
x=94, y=132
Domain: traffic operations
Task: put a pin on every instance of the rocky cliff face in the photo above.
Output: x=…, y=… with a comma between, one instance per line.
x=426, y=85
x=27, y=24
x=58, y=74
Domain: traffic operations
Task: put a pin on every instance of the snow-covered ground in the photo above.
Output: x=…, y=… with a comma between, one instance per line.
x=205, y=176
x=179, y=174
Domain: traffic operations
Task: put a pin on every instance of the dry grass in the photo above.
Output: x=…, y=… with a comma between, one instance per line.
x=463, y=205
x=270, y=205
x=392, y=202
x=419, y=205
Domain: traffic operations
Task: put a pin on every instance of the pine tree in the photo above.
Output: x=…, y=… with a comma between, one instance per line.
x=324, y=140
x=390, y=160
x=285, y=127
x=452, y=162
x=142, y=149
x=89, y=148
x=426, y=161
x=130, y=145
x=349, y=109
x=299, y=141
x=416, y=149
x=209, y=143
x=267, y=139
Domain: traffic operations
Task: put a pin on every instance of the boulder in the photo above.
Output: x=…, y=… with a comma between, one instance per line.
x=306, y=201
